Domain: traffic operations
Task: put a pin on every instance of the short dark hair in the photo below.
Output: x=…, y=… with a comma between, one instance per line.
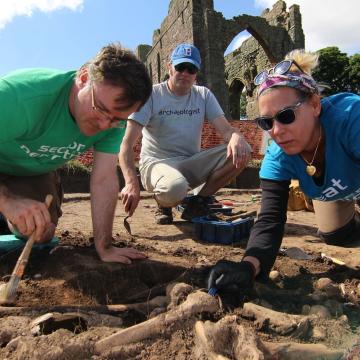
x=120, y=67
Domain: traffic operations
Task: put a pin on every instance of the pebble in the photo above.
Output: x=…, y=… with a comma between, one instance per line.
x=305, y=309
x=318, y=296
x=275, y=276
x=343, y=320
x=320, y=311
x=37, y=276
x=327, y=285
x=323, y=283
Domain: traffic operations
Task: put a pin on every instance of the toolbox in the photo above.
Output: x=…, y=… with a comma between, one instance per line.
x=222, y=232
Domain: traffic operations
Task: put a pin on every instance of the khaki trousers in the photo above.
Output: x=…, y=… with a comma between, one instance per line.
x=171, y=179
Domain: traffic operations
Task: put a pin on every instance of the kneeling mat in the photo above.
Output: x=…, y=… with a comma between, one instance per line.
x=11, y=242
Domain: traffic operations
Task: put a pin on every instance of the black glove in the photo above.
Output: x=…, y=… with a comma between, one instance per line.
x=231, y=276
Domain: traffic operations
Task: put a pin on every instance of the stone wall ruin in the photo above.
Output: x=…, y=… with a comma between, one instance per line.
x=274, y=33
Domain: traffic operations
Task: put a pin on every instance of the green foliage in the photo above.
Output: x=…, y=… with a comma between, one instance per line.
x=254, y=163
x=354, y=73
x=243, y=103
x=77, y=166
x=332, y=69
x=336, y=69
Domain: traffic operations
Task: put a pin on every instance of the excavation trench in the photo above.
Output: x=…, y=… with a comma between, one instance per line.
x=75, y=277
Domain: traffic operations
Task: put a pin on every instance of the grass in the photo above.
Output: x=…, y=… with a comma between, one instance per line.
x=75, y=165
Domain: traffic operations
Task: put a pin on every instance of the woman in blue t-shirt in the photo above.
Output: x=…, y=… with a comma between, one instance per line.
x=316, y=141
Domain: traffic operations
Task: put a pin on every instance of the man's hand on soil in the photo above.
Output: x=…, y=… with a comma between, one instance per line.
x=120, y=255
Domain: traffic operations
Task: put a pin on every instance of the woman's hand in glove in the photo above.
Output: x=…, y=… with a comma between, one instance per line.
x=231, y=276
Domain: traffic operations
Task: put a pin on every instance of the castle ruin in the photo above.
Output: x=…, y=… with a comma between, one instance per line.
x=274, y=33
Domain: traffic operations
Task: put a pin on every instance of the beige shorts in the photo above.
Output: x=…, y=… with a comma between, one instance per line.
x=171, y=179
x=333, y=215
x=36, y=188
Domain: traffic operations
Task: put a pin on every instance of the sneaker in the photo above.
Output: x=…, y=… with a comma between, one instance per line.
x=163, y=215
x=196, y=206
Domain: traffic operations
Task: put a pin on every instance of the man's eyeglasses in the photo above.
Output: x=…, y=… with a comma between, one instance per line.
x=279, y=69
x=285, y=116
x=190, y=68
x=113, y=121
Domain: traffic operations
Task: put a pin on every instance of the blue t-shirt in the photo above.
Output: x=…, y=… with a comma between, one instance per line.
x=340, y=119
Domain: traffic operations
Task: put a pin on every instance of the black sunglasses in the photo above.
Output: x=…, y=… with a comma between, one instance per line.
x=285, y=116
x=190, y=68
x=279, y=69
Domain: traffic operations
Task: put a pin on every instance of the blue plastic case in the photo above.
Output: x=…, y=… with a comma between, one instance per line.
x=222, y=232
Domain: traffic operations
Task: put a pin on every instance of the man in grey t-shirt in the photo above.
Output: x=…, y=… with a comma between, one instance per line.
x=171, y=161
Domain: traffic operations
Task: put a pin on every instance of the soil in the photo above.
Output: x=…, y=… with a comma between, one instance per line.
x=71, y=279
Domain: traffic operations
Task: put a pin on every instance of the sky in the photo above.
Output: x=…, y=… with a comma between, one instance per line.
x=64, y=34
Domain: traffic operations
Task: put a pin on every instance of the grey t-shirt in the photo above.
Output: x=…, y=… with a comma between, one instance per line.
x=173, y=124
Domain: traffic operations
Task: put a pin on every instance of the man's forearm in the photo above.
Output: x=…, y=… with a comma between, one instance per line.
x=104, y=196
x=228, y=134
x=127, y=164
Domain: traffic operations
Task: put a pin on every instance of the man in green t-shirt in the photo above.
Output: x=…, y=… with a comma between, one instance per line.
x=49, y=117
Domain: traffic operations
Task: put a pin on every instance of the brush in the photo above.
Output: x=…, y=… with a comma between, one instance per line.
x=8, y=291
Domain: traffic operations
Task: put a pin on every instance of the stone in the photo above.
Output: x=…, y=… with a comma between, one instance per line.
x=275, y=276
x=306, y=309
x=323, y=283
x=320, y=311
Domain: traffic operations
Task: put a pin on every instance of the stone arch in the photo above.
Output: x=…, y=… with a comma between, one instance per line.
x=275, y=32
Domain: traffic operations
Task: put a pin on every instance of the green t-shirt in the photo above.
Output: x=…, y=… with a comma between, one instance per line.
x=38, y=133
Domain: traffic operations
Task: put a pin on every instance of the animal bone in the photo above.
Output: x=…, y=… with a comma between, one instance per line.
x=281, y=323
x=294, y=351
x=226, y=340
x=195, y=303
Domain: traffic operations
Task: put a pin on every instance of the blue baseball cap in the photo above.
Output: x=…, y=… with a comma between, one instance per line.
x=186, y=53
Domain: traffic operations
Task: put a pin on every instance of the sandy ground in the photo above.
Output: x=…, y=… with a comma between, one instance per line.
x=72, y=278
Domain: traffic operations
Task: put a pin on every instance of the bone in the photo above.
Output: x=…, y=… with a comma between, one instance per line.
x=295, y=351
x=281, y=323
x=226, y=340
x=177, y=293
x=195, y=303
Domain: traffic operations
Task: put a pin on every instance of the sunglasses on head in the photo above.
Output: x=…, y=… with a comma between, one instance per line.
x=190, y=68
x=279, y=69
x=285, y=116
